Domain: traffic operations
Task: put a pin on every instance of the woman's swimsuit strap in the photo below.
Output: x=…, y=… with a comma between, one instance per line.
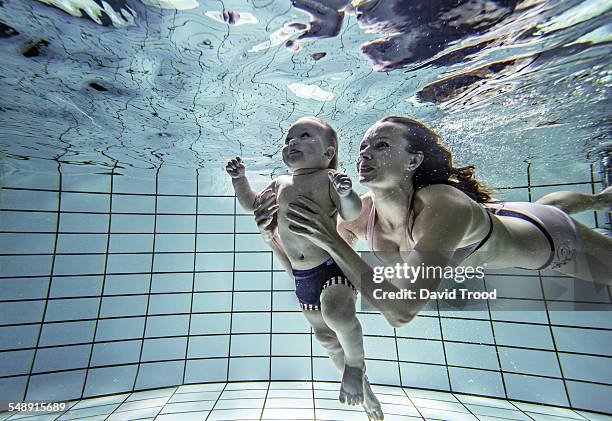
x=461, y=253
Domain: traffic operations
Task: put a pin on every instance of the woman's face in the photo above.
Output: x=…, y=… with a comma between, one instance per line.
x=383, y=157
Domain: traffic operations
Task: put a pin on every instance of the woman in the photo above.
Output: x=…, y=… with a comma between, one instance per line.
x=440, y=216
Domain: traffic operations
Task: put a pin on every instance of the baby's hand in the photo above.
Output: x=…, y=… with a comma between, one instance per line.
x=341, y=182
x=235, y=167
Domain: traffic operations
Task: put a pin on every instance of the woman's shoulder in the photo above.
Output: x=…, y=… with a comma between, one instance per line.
x=443, y=194
x=359, y=225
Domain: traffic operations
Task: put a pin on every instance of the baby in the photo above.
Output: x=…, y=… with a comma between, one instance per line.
x=324, y=293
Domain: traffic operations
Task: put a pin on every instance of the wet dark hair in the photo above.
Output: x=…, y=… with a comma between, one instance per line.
x=437, y=166
x=333, y=137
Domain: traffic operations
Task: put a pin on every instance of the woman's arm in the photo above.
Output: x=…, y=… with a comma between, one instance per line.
x=443, y=224
x=279, y=251
x=265, y=212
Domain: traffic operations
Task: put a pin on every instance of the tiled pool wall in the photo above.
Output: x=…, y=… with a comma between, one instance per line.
x=111, y=283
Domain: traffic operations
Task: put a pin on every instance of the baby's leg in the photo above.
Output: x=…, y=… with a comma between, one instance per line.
x=338, y=310
x=326, y=337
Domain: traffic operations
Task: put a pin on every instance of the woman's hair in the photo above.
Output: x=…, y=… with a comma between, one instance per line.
x=333, y=140
x=437, y=166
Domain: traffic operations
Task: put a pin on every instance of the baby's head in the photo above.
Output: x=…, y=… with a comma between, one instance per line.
x=310, y=143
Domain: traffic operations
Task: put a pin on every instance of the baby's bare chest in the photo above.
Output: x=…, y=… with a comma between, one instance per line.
x=316, y=189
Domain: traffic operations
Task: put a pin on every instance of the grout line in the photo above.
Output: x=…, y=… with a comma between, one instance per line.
x=129, y=394
x=146, y=315
x=218, y=397
x=450, y=385
x=231, y=314
x=263, y=407
x=193, y=277
x=503, y=379
x=412, y=402
x=108, y=237
x=48, y=291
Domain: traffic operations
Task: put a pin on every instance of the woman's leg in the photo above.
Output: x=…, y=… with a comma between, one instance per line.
x=572, y=202
x=593, y=261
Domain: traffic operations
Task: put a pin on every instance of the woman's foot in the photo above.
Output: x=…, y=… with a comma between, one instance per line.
x=604, y=199
x=371, y=403
x=351, y=389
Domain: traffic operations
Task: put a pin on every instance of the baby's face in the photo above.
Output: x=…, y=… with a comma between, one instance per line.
x=306, y=145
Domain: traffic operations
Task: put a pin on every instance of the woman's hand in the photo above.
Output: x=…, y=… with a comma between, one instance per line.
x=306, y=218
x=265, y=214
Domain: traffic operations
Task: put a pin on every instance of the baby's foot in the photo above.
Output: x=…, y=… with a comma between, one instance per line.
x=371, y=403
x=351, y=389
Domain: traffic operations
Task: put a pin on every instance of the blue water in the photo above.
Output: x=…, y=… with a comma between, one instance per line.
x=114, y=132
x=184, y=89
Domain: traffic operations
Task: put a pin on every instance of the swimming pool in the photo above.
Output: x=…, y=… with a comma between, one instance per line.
x=127, y=264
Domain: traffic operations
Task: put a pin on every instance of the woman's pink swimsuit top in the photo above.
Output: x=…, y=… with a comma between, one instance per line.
x=558, y=228
x=460, y=254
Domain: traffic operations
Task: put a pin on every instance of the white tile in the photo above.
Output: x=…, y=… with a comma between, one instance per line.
x=188, y=406
x=257, y=403
x=447, y=415
x=497, y=412
x=341, y=415
x=247, y=386
x=331, y=404
x=327, y=394
x=387, y=390
x=438, y=404
x=195, y=396
x=288, y=414
x=290, y=385
x=190, y=388
x=289, y=403
x=87, y=412
x=41, y=417
x=186, y=416
x=402, y=410
x=326, y=385
x=149, y=394
x=547, y=417
x=430, y=394
x=490, y=418
x=289, y=393
x=143, y=403
x=132, y=415
x=240, y=394
x=392, y=417
x=394, y=399
x=234, y=414
x=480, y=400
x=595, y=417
x=548, y=410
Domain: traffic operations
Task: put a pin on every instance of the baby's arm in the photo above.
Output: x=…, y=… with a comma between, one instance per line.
x=344, y=197
x=244, y=193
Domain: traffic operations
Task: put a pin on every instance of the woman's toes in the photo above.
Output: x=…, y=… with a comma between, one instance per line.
x=605, y=197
